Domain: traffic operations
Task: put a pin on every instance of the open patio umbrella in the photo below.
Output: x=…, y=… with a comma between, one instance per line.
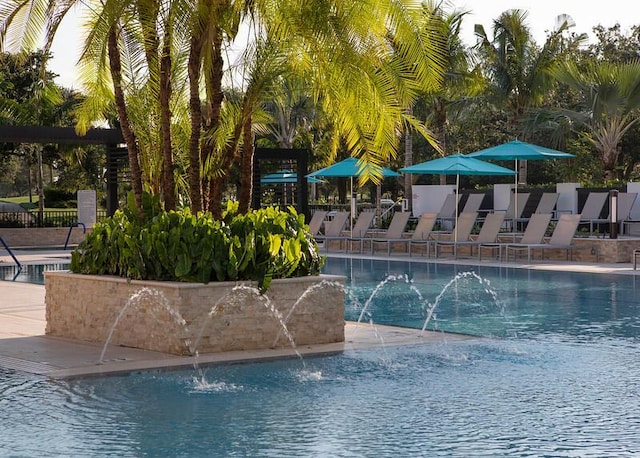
x=348, y=168
x=457, y=164
x=519, y=151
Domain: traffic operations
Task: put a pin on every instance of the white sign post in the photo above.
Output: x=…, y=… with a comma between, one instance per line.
x=87, y=208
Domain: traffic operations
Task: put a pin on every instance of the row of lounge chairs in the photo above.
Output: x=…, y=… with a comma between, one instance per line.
x=494, y=228
x=489, y=239
x=593, y=213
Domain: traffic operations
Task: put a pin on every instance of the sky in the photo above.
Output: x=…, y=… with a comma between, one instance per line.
x=541, y=18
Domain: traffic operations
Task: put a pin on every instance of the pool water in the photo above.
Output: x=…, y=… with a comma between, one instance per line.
x=29, y=273
x=559, y=375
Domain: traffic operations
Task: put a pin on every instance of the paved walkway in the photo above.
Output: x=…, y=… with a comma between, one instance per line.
x=24, y=346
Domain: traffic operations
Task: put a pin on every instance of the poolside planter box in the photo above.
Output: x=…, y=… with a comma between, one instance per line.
x=182, y=318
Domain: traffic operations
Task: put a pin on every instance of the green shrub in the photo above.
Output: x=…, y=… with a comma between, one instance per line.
x=180, y=246
x=58, y=198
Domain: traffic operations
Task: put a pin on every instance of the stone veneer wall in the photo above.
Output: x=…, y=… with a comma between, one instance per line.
x=85, y=307
x=585, y=249
x=40, y=237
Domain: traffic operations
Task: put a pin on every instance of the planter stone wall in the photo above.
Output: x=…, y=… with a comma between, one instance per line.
x=41, y=237
x=181, y=318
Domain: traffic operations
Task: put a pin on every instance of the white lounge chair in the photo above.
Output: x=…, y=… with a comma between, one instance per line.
x=511, y=214
x=561, y=238
x=447, y=213
x=360, y=229
x=422, y=234
x=592, y=210
x=460, y=233
x=533, y=234
x=333, y=229
x=315, y=224
x=393, y=234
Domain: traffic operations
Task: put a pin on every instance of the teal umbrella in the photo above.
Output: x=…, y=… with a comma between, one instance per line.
x=348, y=168
x=457, y=164
x=285, y=176
x=519, y=151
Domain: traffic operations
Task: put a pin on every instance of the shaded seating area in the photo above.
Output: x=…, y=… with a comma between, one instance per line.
x=473, y=203
x=625, y=206
x=512, y=214
x=561, y=238
x=447, y=213
x=359, y=230
x=546, y=204
x=597, y=209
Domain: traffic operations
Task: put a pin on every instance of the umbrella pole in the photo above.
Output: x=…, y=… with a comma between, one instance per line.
x=515, y=204
x=455, y=228
x=353, y=209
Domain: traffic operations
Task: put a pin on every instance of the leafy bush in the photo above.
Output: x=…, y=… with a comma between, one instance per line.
x=58, y=198
x=180, y=246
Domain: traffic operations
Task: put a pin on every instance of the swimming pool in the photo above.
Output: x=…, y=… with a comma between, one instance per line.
x=559, y=377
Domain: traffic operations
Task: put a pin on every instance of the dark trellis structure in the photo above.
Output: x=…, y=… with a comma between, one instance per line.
x=283, y=156
x=116, y=160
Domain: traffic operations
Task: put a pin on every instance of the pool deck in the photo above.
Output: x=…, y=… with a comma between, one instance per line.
x=25, y=347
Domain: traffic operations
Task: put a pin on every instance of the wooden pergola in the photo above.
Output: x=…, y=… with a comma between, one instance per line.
x=300, y=157
x=111, y=138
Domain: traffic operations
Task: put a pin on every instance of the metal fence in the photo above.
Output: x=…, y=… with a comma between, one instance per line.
x=50, y=218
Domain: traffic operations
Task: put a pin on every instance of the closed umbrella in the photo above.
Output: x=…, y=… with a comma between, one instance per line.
x=519, y=151
x=457, y=164
x=348, y=168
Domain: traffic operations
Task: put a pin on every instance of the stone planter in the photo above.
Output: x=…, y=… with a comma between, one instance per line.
x=182, y=318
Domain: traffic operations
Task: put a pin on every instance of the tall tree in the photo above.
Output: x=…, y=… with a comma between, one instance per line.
x=463, y=82
x=610, y=99
x=518, y=67
x=365, y=60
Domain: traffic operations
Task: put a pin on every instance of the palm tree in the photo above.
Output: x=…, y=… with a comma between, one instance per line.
x=610, y=98
x=362, y=69
x=366, y=60
x=42, y=106
x=463, y=82
x=518, y=68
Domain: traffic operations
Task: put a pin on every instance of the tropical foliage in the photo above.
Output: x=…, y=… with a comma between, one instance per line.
x=181, y=246
x=358, y=78
x=363, y=62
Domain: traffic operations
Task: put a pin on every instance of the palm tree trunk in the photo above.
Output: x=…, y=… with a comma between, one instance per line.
x=215, y=95
x=408, y=161
x=216, y=189
x=115, y=68
x=168, y=182
x=246, y=168
x=195, y=108
x=218, y=184
x=441, y=131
